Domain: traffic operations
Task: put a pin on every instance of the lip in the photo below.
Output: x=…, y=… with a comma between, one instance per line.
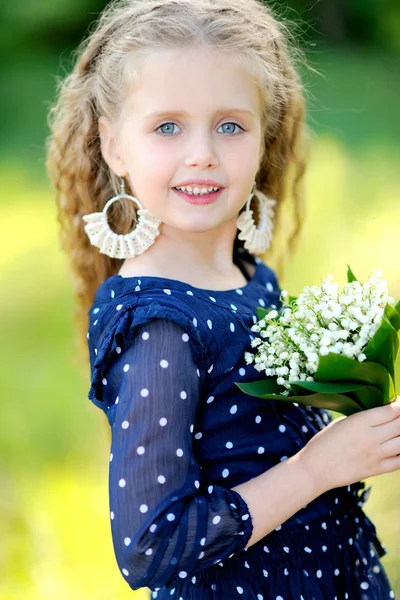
x=206, y=199
x=201, y=182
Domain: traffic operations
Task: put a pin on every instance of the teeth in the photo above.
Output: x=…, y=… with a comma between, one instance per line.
x=196, y=190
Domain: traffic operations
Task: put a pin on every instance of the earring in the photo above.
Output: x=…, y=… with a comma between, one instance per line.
x=257, y=239
x=116, y=245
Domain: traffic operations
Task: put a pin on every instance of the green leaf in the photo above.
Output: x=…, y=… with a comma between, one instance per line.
x=397, y=307
x=383, y=346
x=259, y=388
x=336, y=367
x=367, y=397
x=292, y=299
x=393, y=316
x=337, y=402
x=326, y=387
x=350, y=275
x=261, y=312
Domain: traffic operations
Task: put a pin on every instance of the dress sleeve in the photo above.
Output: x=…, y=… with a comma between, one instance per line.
x=167, y=523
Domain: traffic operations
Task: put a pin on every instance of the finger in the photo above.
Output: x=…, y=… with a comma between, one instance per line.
x=391, y=448
x=383, y=414
x=387, y=431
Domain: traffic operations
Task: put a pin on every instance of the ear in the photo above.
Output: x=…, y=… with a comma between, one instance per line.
x=109, y=148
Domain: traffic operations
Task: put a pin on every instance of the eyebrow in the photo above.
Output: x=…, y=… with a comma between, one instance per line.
x=179, y=113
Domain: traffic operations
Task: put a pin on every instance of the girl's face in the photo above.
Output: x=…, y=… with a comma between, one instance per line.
x=194, y=114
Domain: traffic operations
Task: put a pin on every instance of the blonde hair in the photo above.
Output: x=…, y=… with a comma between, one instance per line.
x=248, y=30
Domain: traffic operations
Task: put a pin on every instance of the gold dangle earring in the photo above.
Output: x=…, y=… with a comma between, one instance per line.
x=257, y=239
x=117, y=245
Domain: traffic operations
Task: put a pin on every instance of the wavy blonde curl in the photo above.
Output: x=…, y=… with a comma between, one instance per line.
x=248, y=30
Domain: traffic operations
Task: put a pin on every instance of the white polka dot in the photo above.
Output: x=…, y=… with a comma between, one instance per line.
x=240, y=292
x=167, y=292
x=269, y=287
x=304, y=428
x=229, y=445
x=242, y=372
x=211, y=298
x=161, y=479
x=194, y=579
x=144, y=392
x=171, y=517
x=182, y=574
x=104, y=381
x=261, y=302
x=185, y=337
x=164, y=364
x=197, y=484
x=112, y=515
x=324, y=548
x=260, y=597
x=145, y=335
x=286, y=571
x=125, y=572
x=127, y=541
x=319, y=573
x=125, y=424
x=307, y=549
x=195, y=322
x=118, y=350
x=210, y=489
x=95, y=311
x=189, y=293
x=111, y=456
x=261, y=450
x=179, y=452
x=216, y=520
x=233, y=409
x=336, y=572
x=376, y=569
x=119, y=307
x=209, y=323
x=232, y=327
x=183, y=395
x=163, y=422
x=140, y=450
x=122, y=483
x=364, y=585
x=324, y=526
x=258, y=419
x=233, y=307
x=112, y=294
x=210, y=399
x=202, y=541
x=149, y=552
x=117, y=400
x=279, y=598
x=282, y=428
x=391, y=594
x=225, y=473
x=245, y=517
x=239, y=589
x=283, y=458
x=153, y=527
x=265, y=572
x=191, y=428
x=198, y=435
x=126, y=368
x=143, y=508
x=210, y=369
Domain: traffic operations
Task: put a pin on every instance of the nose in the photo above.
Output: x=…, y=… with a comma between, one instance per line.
x=201, y=151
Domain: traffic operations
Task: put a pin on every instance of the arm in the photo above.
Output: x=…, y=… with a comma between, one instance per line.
x=276, y=495
x=167, y=523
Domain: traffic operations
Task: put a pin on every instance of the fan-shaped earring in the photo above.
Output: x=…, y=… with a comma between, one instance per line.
x=117, y=245
x=257, y=239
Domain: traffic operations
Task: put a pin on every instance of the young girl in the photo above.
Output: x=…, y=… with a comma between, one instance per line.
x=183, y=119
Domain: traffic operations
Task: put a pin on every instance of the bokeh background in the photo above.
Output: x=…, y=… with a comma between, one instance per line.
x=54, y=444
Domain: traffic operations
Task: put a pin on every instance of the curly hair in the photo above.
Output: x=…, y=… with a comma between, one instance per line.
x=83, y=182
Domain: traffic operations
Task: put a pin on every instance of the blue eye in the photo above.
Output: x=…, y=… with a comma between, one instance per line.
x=170, y=133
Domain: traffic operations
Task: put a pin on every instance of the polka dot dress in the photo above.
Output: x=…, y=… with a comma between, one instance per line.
x=165, y=357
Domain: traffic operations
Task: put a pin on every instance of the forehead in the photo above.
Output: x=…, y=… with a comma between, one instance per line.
x=193, y=81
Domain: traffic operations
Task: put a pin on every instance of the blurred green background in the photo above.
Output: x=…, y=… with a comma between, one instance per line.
x=55, y=534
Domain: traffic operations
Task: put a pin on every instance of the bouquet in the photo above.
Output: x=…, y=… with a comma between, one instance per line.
x=328, y=348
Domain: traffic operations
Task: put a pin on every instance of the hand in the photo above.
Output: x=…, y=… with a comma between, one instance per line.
x=353, y=448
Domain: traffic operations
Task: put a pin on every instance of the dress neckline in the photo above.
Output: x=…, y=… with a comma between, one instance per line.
x=165, y=282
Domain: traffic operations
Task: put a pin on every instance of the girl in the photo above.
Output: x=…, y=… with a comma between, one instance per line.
x=177, y=114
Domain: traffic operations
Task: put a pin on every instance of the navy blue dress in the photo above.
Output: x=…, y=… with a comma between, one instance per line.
x=164, y=358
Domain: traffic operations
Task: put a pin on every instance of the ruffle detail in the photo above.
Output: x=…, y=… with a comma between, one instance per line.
x=120, y=333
